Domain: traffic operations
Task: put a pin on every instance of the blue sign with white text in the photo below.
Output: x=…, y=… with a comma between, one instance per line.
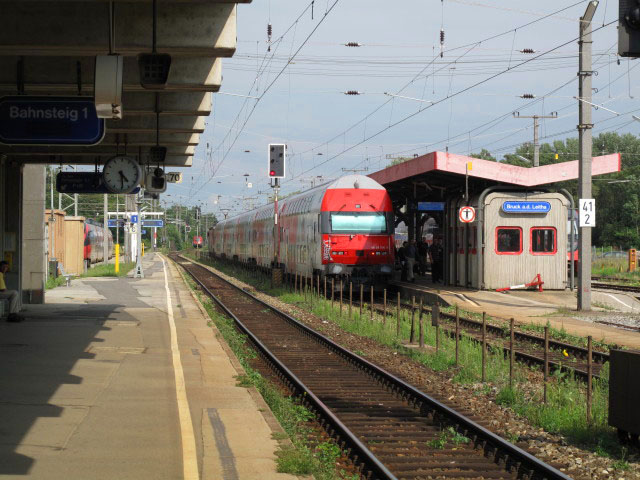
x=431, y=206
x=113, y=223
x=526, y=207
x=152, y=223
x=26, y=120
x=134, y=218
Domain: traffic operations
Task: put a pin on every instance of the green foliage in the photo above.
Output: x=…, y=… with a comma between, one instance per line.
x=109, y=270
x=484, y=154
x=55, y=282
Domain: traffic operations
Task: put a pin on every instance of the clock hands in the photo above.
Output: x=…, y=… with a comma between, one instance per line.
x=123, y=178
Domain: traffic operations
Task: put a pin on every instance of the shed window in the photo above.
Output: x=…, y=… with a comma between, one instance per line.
x=543, y=241
x=508, y=240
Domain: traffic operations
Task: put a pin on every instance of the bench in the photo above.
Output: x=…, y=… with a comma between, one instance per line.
x=67, y=276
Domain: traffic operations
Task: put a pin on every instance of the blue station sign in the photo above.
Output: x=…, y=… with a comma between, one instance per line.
x=431, y=206
x=153, y=223
x=26, y=120
x=526, y=207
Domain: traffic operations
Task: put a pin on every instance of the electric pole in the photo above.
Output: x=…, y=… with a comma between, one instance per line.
x=536, y=137
x=584, y=132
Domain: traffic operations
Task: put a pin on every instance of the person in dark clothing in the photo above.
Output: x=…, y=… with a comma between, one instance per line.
x=402, y=260
x=437, y=259
x=423, y=251
x=410, y=256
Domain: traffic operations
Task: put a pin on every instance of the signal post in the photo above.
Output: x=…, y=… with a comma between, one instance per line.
x=276, y=170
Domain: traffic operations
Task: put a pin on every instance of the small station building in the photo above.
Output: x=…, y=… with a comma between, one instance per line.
x=519, y=224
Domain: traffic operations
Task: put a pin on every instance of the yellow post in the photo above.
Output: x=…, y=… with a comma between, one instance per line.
x=117, y=258
x=632, y=259
x=143, y=249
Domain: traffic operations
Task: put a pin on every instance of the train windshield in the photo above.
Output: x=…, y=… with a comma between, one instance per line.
x=356, y=222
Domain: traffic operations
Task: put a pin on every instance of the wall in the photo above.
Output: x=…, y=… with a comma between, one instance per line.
x=74, y=245
x=33, y=268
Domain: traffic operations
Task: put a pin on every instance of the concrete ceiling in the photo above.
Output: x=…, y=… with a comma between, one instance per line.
x=58, y=42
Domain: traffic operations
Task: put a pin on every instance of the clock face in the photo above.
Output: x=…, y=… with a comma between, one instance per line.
x=121, y=174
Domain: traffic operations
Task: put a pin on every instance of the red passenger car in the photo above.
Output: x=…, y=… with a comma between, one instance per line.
x=341, y=229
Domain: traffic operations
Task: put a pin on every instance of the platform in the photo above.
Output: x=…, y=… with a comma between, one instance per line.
x=558, y=307
x=90, y=387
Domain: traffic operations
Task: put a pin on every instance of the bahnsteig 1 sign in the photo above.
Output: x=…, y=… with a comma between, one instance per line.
x=26, y=120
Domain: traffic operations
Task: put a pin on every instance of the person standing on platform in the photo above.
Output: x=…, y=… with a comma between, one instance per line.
x=437, y=257
x=410, y=256
x=423, y=252
x=401, y=258
x=10, y=295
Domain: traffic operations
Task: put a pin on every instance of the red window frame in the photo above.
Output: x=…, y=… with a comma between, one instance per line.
x=496, y=243
x=555, y=240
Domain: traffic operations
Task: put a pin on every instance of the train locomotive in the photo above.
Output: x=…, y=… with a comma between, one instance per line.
x=342, y=229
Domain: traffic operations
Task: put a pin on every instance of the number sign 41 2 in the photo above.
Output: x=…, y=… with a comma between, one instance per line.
x=587, y=212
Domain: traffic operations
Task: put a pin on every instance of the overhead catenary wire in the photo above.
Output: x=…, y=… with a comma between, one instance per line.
x=459, y=92
x=492, y=123
x=266, y=90
x=461, y=47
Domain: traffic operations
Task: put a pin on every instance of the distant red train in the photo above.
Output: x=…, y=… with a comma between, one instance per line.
x=197, y=241
x=94, y=238
x=341, y=229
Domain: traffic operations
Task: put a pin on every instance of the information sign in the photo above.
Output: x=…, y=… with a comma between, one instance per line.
x=114, y=223
x=526, y=207
x=173, y=177
x=431, y=206
x=134, y=218
x=83, y=182
x=587, y=212
x=152, y=223
x=467, y=214
x=34, y=120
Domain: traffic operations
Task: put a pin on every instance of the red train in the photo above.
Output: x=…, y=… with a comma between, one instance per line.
x=341, y=229
x=94, y=238
x=197, y=241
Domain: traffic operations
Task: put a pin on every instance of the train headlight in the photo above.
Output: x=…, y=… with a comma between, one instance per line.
x=336, y=268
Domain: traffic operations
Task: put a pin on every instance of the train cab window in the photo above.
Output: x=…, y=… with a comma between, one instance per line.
x=352, y=222
x=508, y=240
x=543, y=241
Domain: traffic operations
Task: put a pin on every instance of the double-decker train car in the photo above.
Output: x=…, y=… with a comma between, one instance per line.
x=340, y=229
x=94, y=238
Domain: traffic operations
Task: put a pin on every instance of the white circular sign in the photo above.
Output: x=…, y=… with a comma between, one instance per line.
x=467, y=214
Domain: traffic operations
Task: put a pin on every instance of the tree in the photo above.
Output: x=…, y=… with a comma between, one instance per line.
x=483, y=155
x=399, y=160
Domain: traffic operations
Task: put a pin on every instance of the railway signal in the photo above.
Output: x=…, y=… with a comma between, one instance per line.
x=629, y=29
x=277, y=160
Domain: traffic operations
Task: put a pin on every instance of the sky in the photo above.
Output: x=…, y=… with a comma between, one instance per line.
x=475, y=86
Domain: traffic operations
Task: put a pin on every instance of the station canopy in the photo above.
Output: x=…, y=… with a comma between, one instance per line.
x=437, y=175
x=49, y=48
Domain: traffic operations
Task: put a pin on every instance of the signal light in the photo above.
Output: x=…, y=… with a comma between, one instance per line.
x=272, y=173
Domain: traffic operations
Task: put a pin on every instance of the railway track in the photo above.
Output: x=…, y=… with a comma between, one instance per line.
x=528, y=348
x=388, y=427
x=614, y=286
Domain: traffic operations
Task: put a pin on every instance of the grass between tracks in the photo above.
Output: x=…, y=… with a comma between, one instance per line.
x=304, y=456
x=565, y=410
